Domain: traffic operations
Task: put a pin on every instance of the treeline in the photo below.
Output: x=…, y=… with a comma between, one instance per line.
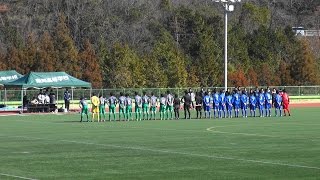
x=177, y=45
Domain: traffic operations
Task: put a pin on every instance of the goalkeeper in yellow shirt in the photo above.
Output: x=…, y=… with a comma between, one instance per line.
x=95, y=106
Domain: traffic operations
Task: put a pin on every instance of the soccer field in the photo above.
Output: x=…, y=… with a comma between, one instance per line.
x=59, y=147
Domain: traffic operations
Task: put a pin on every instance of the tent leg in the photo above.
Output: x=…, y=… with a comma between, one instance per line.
x=22, y=108
x=5, y=96
x=57, y=99
x=71, y=97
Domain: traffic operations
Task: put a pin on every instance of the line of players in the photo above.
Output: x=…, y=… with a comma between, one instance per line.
x=222, y=104
x=144, y=105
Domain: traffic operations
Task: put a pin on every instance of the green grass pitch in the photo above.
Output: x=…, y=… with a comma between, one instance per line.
x=59, y=147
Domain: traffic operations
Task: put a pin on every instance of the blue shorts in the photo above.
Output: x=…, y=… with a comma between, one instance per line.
x=277, y=106
x=252, y=107
x=236, y=106
x=229, y=107
x=268, y=106
x=244, y=106
x=222, y=107
x=216, y=107
x=261, y=107
x=206, y=108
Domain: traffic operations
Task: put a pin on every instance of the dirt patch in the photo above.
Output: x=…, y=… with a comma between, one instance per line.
x=304, y=104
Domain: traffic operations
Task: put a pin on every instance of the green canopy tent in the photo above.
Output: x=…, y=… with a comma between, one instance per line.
x=45, y=80
x=8, y=76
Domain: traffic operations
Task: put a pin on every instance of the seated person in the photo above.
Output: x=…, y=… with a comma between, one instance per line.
x=41, y=98
x=52, y=96
x=46, y=99
x=34, y=101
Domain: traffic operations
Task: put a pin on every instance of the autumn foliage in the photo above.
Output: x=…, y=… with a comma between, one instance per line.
x=183, y=48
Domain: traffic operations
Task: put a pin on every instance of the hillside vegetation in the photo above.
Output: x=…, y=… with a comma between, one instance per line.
x=162, y=43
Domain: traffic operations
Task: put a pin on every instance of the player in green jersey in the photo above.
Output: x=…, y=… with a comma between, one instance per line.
x=84, y=108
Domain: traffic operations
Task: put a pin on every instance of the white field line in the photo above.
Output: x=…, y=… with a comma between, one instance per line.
x=6, y=115
x=246, y=134
x=14, y=176
x=176, y=152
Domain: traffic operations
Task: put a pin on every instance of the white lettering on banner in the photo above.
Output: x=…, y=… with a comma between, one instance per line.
x=53, y=79
x=5, y=78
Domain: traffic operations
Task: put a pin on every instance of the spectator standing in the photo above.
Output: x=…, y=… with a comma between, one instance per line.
x=176, y=102
x=199, y=103
x=187, y=103
x=67, y=98
x=193, y=98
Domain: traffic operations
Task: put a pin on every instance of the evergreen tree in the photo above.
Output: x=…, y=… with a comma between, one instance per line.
x=155, y=76
x=123, y=62
x=66, y=49
x=47, y=57
x=285, y=77
x=171, y=59
x=107, y=64
x=193, y=79
x=237, y=78
x=90, y=65
x=29, y=56
x=14, y=60
x=252, y=77
x=3, y=65
x=165, y=4
x=304, y=67
x=208, y=60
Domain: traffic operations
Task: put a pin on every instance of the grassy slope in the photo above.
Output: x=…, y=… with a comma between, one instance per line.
x=57, y=147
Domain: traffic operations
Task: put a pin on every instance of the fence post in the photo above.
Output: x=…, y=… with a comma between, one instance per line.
x=299, y=90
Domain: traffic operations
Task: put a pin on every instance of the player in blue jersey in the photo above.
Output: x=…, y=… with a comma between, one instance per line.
x=236, y=102
x=229, y=104
x=216, y=103
x=206, y=102
x=244, y=103
x=261, y=102
x=268, y=102
x=257, y=93
x=277, y=103
x=253, y=103
x=222, y=105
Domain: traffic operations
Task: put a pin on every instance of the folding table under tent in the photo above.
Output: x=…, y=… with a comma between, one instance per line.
x=46, y=80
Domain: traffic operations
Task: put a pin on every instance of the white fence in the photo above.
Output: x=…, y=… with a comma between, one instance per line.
x=15, y=95
x=312, y=33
